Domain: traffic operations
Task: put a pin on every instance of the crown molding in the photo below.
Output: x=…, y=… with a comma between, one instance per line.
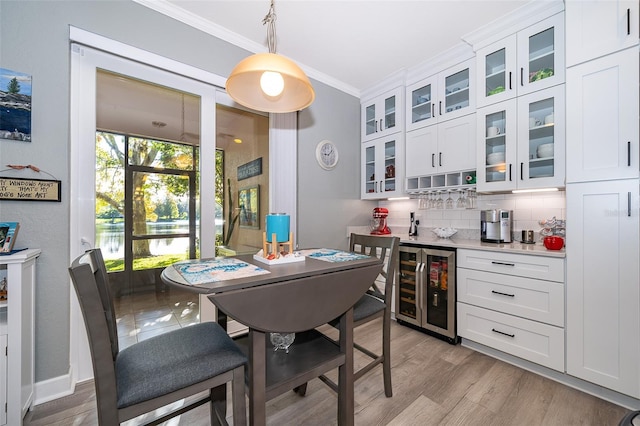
x=523, y=17
x=195, y=21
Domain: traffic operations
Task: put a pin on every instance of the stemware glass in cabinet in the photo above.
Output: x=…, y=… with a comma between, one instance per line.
x=461, y=202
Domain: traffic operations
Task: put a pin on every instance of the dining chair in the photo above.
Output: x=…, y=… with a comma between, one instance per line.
x=158, y=371
x=374, y=304
x=632, y=418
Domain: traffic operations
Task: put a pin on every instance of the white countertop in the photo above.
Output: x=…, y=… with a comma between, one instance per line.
x=536, y=249
x=426, y=237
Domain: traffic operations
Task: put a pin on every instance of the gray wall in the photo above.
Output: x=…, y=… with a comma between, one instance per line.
x=34, y=40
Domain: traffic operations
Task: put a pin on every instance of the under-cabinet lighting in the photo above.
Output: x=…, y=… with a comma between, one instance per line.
x=520, y=191
x=398, y=198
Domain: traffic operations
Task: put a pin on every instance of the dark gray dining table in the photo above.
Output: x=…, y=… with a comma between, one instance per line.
x=292, y=298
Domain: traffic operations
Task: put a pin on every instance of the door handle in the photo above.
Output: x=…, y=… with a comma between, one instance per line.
x=521, y=171
x=440, y=107
x=510, y=167
x=629, y=204
x=628, y=21
x=440, y=159
x=433, y=160
x=521, y=76
x=510, y=88
x=629, y=154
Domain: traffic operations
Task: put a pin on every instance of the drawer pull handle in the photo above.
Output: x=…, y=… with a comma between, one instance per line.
x=503, y=333
x=503, y=263
x=502, y=294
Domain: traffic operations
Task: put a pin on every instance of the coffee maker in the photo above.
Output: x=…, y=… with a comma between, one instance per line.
x=495, y=226
x=379, y=222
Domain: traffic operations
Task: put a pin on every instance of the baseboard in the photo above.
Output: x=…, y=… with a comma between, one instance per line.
x=579, y=384
x=57, y=387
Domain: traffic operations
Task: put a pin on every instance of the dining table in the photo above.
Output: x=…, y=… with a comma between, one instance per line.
x=290, y=296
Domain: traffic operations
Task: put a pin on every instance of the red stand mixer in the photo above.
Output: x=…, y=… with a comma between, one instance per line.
x=379, y=222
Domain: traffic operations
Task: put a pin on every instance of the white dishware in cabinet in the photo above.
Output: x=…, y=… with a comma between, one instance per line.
x=603, y=295
x=603, y=139
x=382, y=167
x=541, y=121
x=531, y=59
x=616, y=22
x=382, y=115
x=530, y=131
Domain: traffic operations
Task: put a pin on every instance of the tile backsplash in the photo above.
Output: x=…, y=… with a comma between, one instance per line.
x=528, y=209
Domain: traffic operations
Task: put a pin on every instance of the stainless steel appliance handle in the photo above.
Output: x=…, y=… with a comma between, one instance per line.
x=418, y=293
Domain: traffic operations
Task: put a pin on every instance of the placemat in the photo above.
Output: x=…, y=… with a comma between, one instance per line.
x=332, y=255
x=214, y=270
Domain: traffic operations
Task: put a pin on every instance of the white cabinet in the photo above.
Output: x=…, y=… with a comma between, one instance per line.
x=382, y=167
x=598, y=27
x=603, y=295
x=442, y=96
x=513, y=303
x=529, y=60
x=522, y=142
x=17, y=316
x=382, y=115
x=441, y=148
x=602, y=118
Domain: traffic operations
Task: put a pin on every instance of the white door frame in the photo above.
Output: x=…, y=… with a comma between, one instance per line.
x=283, y=147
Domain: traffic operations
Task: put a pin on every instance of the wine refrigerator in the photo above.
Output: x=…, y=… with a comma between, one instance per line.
x=426, y=290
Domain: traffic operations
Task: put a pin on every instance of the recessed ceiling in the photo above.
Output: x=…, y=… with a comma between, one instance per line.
x=353, y=44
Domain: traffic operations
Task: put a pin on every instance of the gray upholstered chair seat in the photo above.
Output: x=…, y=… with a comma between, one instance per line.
x=365, y=307
x=174, y=360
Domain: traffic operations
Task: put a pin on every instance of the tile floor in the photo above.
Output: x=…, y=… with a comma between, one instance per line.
x=146, y=314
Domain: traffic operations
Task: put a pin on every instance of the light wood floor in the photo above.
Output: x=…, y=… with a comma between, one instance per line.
x=434, y=383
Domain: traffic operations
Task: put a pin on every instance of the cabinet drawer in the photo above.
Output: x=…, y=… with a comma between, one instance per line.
x=523, y=265
x=538, y=300
x=536, y=342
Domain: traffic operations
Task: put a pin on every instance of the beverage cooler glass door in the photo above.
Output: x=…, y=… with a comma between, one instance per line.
x=438, y=289
x=407, y=283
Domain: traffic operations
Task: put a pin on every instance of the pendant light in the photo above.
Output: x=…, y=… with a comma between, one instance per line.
x=270, y=82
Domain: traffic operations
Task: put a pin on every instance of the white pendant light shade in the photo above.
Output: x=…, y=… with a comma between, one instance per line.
x=245, y=84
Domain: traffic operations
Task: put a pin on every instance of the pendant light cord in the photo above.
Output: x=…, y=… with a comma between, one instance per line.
x=270, y=22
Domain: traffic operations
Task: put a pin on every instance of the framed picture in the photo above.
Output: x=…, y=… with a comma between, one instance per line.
x=249, y=202
x=15, y=114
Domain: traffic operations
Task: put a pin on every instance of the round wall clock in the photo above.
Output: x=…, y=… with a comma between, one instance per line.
x=327, y=154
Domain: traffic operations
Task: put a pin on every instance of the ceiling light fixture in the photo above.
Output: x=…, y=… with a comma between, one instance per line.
x=270, y=82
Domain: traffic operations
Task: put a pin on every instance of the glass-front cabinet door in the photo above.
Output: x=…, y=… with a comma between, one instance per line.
x=382, y=115
x=541, y=139
x=421, y=103
x=496, y=73
x=541, y=55
x=381, y=167
x=497, y=133
x=456, y=94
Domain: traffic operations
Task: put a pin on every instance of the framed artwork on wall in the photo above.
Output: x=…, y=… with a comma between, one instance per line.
x=15, y=103
x=249, y=204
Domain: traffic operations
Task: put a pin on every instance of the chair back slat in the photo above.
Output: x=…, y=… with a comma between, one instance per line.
x=382, y=247
x=84, y=274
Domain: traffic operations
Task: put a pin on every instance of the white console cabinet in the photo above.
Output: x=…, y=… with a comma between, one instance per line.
x=17, y=335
